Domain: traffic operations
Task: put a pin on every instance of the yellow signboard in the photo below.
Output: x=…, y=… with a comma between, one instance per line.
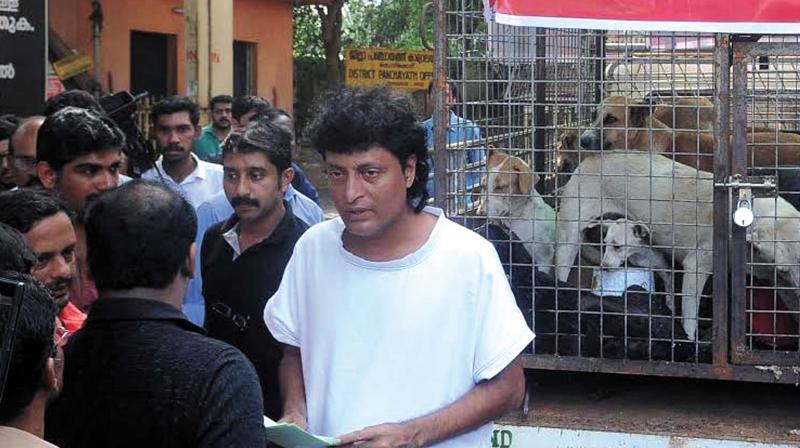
x=402, y=69
x=72, y=65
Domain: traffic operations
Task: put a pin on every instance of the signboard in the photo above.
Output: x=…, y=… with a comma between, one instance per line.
x=23, y=56
x=72, y=65
x=709, y=16
x=401, y=69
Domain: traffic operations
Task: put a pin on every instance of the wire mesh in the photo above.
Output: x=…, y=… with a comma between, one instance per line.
x=771, y=308
x=587, y=158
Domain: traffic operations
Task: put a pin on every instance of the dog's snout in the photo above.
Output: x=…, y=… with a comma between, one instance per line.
x=589, y=140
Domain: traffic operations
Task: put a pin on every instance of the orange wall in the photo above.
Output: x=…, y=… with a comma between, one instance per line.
x=69, y=19
x=269, y=24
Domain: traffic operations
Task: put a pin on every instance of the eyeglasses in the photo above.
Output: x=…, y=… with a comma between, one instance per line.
x=225, y=311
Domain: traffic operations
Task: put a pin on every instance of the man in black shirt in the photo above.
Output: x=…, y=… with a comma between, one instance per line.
x=243, y=258
x=139, y=374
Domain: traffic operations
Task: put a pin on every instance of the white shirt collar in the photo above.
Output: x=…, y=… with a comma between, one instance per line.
x=199, y=171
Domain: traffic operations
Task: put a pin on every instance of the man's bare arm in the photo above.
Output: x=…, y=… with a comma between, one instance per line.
x=485, y=402
x=290, y=377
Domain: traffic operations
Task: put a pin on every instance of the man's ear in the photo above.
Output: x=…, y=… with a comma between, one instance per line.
x=286, y=178
x=50, y=376
x=410, y=170
x=197, y=131
x=187, y=270
x=47, y=175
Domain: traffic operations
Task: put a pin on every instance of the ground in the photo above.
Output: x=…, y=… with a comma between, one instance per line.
x=647, y=405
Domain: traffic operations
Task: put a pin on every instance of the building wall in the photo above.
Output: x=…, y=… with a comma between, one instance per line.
x=69, y=19
x=268, y=23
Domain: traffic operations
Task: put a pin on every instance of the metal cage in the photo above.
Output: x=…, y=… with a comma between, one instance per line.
x=606, y=168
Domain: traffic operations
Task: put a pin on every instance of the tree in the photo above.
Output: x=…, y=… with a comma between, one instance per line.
x=320, y=31
x=318, y=34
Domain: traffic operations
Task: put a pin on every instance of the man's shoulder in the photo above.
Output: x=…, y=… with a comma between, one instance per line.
x=211, y=167
x=462, y=240
x=326, y=234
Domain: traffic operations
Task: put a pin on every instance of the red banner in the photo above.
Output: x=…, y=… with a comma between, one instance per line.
x=710, y=16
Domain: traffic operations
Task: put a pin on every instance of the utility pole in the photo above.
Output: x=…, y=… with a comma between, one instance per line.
x=96, y=18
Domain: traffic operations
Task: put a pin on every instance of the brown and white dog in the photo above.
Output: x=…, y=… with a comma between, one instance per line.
x=677, y=202
x=512, y=200
x=622, y=123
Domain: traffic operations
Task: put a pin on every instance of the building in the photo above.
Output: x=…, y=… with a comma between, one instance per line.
x=196, y=47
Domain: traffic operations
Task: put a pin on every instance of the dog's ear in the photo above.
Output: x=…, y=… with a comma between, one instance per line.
x=525, y=178
x=642, y=232
x=637, y=115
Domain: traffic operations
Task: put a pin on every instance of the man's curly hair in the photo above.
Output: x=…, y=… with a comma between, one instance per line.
x=354, y=120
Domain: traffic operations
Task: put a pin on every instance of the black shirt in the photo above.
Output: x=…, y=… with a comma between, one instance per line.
x=140, y=375
x=236, y=292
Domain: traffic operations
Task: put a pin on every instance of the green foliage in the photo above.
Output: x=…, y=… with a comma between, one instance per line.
x=307, y=42
x=367, y=23
x=384, y=23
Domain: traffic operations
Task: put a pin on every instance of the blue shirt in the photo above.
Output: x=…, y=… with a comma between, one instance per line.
x=459, y=130
x=217, y=209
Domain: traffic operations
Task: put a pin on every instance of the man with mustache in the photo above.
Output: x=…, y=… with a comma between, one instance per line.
x=46, y=225
x=243, y=258
x=78, y=154
x=175, y=127
x=207, y=147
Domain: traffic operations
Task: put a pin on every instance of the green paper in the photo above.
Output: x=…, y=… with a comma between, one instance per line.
x=289, y=435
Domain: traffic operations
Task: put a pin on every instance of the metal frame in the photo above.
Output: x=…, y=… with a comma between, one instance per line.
x=743, y=52
x=729, y=358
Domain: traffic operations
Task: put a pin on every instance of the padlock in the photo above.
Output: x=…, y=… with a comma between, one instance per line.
x=743, y=216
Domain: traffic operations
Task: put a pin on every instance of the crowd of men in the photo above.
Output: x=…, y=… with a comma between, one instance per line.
x=180, y=308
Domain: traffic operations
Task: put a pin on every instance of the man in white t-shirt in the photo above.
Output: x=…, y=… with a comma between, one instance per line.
x=400, y=326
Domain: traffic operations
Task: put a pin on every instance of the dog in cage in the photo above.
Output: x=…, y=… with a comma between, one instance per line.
x=512, y=200
x=676, y=200
x=626, y=124
x=684, y=113
x=627, y=243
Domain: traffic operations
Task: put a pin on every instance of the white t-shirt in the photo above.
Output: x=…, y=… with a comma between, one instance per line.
x=385, y=342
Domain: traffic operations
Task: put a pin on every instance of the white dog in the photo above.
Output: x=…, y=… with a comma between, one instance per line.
x=513, y=201
x=677, y=202
x=627, y=241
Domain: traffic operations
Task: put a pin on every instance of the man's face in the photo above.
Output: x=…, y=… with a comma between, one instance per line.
x=253, y=185
x=83, y=177
x=221, y=116
x=24, y=165
x=6, y=173
x=369, y=189
x=53, y=241
x=174, y=135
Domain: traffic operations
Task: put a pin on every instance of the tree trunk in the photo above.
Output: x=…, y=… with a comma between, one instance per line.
x=331, y=19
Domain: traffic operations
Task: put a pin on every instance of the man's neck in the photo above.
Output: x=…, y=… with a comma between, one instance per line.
x=220, y=133
x=32, y=418
x=178, y=171
x=171, y=295
x=403, y=237
x=259, y=229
